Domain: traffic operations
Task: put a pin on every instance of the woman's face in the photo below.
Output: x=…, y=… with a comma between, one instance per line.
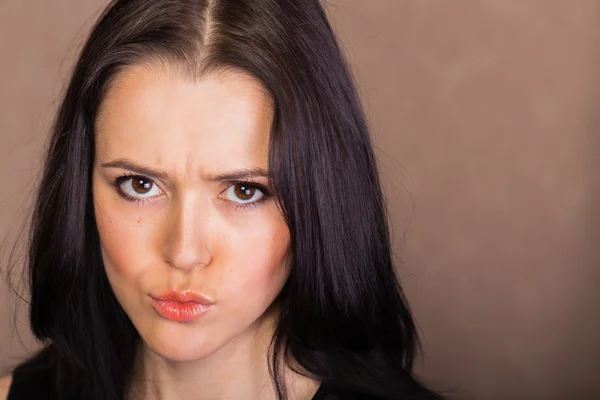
x=183, y=208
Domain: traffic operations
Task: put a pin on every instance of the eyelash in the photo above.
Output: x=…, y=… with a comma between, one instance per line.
x=245, y=206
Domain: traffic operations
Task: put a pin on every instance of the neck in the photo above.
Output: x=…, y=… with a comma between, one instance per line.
x=238, y=370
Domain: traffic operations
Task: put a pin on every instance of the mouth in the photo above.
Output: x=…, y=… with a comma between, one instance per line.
x=182, y=306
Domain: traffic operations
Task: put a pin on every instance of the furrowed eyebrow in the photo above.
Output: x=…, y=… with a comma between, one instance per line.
x=131, y=166
x=240, y=174
x=235, y=175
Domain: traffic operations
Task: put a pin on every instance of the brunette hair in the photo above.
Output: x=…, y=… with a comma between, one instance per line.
x=343, y=315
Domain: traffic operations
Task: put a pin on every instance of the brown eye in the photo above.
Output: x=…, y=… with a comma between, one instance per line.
x=138, y=187
x=244, y=191
x=141, y=185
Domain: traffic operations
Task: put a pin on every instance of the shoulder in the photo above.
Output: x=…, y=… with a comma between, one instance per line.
x=30, y=380
x=5, y=382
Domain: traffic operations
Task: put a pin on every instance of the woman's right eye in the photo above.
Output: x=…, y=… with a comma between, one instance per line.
x=137, y=188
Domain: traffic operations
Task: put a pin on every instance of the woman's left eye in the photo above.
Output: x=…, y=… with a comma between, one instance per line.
x=244, y=193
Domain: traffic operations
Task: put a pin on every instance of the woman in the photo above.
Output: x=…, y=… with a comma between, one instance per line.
x=210, y=223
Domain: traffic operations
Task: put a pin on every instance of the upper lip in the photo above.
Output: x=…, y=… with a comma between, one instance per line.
x=183, y=296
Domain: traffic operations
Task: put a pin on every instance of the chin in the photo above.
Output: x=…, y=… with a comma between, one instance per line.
x=178, y=341
x=180, y=346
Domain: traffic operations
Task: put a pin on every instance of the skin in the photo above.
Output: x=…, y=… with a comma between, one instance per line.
x=190, y=230
x=5, y=382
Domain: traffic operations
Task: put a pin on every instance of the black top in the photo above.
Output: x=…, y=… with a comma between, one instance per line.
x=32, y=382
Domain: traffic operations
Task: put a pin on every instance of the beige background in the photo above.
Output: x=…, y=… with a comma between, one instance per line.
x=485, y=115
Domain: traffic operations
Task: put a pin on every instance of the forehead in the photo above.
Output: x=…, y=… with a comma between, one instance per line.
x=156, y=117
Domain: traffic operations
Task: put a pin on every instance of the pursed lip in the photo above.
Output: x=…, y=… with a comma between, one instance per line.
x=183, y=296
x=182, y=306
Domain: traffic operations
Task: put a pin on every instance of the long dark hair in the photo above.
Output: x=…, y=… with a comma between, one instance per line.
x=343, y=316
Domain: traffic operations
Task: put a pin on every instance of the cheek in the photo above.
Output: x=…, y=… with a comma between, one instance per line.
x=257, y=261
x=124, y=245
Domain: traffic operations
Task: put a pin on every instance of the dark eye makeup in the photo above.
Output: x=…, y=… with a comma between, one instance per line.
x=148, y=183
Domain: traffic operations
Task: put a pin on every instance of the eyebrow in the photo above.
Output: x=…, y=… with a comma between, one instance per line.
x=239, y=174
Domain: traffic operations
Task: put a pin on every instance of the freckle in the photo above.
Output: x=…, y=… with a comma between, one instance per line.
x=139, y=220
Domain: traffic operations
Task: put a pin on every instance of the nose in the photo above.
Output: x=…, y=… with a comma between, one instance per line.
x=187, y=237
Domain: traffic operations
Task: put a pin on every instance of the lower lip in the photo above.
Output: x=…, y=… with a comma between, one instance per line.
x=178, y=311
